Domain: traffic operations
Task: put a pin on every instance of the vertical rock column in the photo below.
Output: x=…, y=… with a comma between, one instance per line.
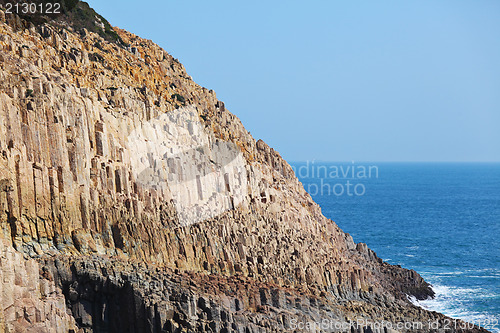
x=29, y=302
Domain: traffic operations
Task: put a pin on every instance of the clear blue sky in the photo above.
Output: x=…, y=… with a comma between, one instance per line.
x=341, y=80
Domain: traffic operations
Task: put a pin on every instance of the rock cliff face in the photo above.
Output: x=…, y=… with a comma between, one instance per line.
x=91, y=244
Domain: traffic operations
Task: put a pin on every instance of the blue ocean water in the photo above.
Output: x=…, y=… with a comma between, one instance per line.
x=441, y=219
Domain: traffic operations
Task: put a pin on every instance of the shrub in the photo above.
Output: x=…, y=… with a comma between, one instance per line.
x=179, y=98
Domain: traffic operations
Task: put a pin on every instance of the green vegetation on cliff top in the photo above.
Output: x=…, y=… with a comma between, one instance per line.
x=74, y=14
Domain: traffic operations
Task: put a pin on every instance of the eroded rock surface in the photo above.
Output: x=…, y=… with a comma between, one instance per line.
x=72, y=199
x=29, y=302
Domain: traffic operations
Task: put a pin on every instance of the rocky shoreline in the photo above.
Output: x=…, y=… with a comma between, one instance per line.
x=88, y=248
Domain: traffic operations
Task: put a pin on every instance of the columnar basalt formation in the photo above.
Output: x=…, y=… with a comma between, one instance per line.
x=30, y=302
x=73, y=203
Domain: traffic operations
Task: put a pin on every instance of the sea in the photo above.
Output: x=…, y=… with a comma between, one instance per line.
x=440, y=219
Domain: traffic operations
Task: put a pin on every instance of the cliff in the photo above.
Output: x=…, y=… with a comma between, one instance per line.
x=132, y=200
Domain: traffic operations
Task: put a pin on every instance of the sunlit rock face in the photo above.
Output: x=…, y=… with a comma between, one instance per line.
x=174, y=154
x=29, y=302
x=150, y=207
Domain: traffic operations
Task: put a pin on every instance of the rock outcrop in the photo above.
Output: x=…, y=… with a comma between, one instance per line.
x=85, y=224
x=29, y=300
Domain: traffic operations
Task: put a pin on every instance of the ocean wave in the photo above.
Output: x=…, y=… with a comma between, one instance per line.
x=450, y=301
x=448, y=273
x=469, y=273
x=484, y=276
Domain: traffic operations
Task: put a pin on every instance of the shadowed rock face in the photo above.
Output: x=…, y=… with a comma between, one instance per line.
x=119, y=249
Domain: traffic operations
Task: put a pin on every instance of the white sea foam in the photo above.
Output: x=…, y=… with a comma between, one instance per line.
x=450, y=301
x=484, y=276
x=449, y=273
